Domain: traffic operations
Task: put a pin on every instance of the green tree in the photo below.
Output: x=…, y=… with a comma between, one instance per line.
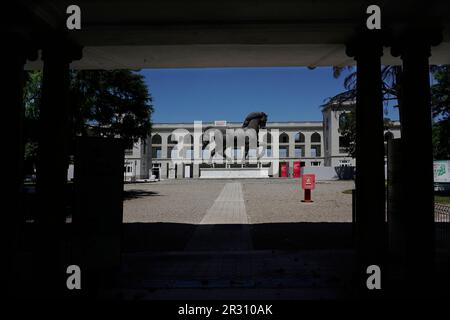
x=347, y=129
x=441, y=139
x=32, y=96
x=390, y=86
x=440, y=101
x=101, y=103
x=392, y=90
x=440, y=92
x=110, y=104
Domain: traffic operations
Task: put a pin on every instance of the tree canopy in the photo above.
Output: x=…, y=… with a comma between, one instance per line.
x=113, y=103
x=390, y=86
x=440, y=100
x=440, y=92
x=110, y=103
x=391, y=90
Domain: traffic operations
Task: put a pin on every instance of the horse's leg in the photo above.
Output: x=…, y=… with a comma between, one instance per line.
x=247, y=147
x=213, y=153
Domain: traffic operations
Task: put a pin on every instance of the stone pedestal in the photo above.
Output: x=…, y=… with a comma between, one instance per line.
x=233, y=173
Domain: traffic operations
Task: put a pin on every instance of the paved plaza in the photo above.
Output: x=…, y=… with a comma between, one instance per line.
x=232, y=239
x=236, y=215
x=168, y=215
x=265, y=201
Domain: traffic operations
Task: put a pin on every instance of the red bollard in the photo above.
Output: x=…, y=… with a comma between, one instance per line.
x=307, y=197
x=308, y=184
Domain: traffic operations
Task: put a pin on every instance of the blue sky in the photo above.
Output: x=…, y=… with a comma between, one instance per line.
x=208, y=94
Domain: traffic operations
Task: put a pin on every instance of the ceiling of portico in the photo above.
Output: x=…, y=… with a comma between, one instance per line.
x=234, y=33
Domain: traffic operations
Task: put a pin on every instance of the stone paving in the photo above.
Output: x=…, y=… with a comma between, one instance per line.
x=280, y=201
x=235, y=239
x=174, y=201
x=213, y=233
x=266, y=201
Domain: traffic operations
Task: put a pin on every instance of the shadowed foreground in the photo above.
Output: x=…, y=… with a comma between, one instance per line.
x=284, y=261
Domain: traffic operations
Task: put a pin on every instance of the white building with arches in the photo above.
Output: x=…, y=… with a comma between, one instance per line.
x=306, y=143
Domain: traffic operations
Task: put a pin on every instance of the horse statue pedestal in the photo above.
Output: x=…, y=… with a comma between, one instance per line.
x=234, y=173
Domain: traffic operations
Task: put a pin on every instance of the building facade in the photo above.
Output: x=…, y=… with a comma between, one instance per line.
x=300, y=143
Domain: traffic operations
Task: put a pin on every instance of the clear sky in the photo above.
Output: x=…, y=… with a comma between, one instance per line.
x=208, y=94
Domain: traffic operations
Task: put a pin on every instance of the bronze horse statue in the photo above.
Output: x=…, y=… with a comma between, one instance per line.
x=254, y=121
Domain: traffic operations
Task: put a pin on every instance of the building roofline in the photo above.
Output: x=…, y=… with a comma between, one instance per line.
x=237, y=123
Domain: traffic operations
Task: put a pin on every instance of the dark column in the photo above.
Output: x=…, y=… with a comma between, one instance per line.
x=417, y=185
x=370, y=181
x=53, y=164
x=13, y=55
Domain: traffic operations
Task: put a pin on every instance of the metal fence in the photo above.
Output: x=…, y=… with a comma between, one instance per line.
x=442, y=222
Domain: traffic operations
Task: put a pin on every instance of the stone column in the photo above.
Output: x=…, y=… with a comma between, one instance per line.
x=149, y=155
x=180, y=170
x=52, y=167
x=14, y=53
x=291, y=144
x=307, y=144
x=413, y=46
x=371, y=239
x=275, y=152
x=196, y=170
x=322, y=146
x=163, y=170
x=164, y=137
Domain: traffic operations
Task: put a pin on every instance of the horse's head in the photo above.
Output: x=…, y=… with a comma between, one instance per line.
x=263, y=121
x=255, y=120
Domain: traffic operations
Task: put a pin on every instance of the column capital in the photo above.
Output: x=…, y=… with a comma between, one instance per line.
x=18, y=46
x=59, y=46
x=415, y=41
x=363, y=43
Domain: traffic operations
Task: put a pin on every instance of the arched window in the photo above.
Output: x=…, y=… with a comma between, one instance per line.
x=343, y=120
x=156, y=139
x=188, y=139
x=267, y=138
x=388, y=136
x=315, y=138
x=284, y=138
x=299, y=138
x=171, y=139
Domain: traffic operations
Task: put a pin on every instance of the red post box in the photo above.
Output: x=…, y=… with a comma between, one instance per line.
x=308, y=184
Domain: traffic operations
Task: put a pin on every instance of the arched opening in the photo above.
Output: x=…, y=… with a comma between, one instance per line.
x=284, y=138
x=267, y=138
x=299, y=137
x=315, y=138
x=316, y=150
x=171, y=139
x=156, y=146
x=156, y=139
x=343, y=120
x=388, y=136
x=188, y=139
